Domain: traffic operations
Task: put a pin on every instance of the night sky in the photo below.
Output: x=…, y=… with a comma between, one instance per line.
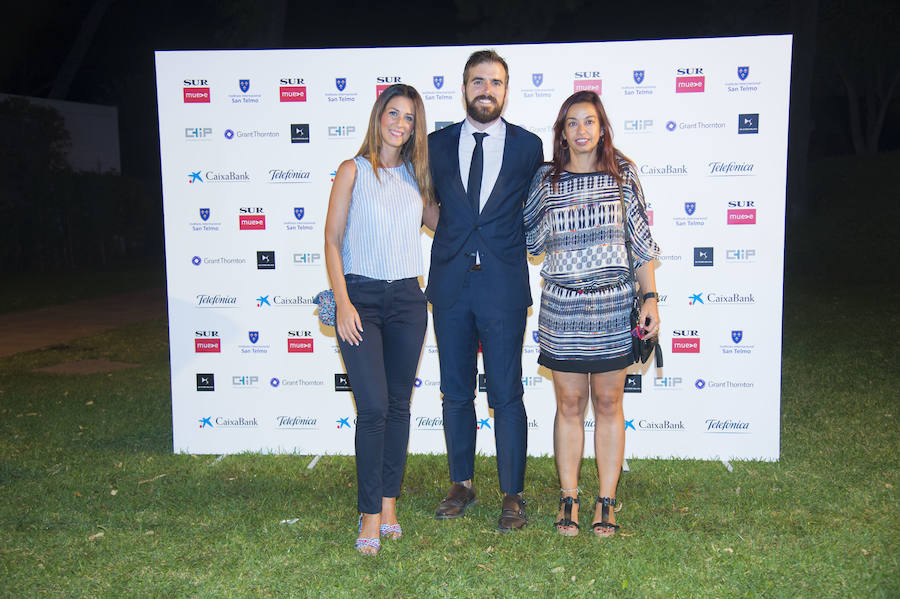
x=117, y=66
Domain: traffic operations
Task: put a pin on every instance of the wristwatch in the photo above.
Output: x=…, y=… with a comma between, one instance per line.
x=651, y=295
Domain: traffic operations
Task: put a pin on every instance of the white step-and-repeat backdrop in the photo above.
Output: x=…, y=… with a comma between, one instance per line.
x=250, y=141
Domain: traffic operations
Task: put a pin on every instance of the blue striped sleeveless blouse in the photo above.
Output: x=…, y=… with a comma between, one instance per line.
x=381, y=240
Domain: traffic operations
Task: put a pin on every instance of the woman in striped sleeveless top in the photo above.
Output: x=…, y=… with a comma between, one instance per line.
x=574, y=216
x=374, y=258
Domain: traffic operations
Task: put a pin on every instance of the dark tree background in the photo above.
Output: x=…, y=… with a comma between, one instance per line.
x=845, y=79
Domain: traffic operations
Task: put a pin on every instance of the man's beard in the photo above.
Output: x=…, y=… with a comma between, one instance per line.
x=483, y=114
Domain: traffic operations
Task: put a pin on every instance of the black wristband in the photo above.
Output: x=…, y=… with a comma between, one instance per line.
x=650, y=295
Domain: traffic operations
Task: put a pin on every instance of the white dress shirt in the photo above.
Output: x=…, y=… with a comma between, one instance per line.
x=492, y=146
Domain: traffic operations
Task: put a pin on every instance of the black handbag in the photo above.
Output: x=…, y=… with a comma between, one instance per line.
x=640, y=348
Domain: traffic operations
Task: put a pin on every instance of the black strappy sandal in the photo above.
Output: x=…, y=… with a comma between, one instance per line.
x=604, y=528
x=566, y=521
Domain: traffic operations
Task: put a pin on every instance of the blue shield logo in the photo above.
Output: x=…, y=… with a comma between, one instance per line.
x=254, y=336
x=537, y=79
x=245, y=85
x=298, y=213
x=534, y=335
x=689, y=207
x=736, y=336
x=743, y=73
x=341, y=83
x=639, y=77
x=438, y=81
x=204, y=213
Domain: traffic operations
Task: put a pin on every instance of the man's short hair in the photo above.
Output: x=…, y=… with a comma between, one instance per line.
x=482, y=56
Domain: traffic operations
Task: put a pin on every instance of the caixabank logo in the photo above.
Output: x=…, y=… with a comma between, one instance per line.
x=213, y=422
x=685, y=341
x=196, y=91
x=716, y=298
x=207, y=342
x=588, y=80
x=299, y=342
x=292, y=89
x=663, y=170
x=210, y=176
x=251, y=218
x=660, y=426
x=385, y=81
x=690, y=80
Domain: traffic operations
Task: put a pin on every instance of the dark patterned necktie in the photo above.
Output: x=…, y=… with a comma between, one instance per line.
x=473, y=190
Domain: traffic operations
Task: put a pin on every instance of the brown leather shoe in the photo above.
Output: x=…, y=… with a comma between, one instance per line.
x=512, y=514
x=454, y=505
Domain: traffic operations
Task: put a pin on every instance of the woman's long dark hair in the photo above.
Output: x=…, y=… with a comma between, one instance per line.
x=608, y=156
x=414, y=152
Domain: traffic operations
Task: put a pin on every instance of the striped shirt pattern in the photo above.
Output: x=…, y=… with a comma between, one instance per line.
x=382, y=236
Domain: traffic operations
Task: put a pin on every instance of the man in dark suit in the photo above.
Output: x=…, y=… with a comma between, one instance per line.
x=478, y=282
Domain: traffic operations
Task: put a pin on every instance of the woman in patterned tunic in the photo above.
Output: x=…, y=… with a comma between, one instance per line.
x=574, y=216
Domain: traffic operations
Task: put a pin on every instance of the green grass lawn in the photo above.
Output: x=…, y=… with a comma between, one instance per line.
x=93, y=502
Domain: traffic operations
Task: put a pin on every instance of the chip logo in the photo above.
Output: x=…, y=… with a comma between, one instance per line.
x=244, y=84
x=253, y=335
x=204, y=214
x=298, y=212
x=638, y=77
x=340, y=83
x=736, y=336
x=690, y=207
x=438, y=81
x=537, y=79
x=743, y=73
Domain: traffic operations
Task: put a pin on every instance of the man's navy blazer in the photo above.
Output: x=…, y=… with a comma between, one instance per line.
x=497, y=233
